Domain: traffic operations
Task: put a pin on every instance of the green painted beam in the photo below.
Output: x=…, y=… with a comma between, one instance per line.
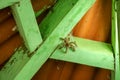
x=27, y=25
x=88, y=52
x=6, y=3
x=45, y=26
x=54, y=21
x=118, y=17
x=118, y=21
x=115, y=43
x=25, y=67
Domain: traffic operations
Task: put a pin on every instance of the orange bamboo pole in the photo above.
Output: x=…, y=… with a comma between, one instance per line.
x=7, y=29
x=8, y=48
x=83, y=72
x=4, y=14
x=102, y=74
x=67, y=71
x=44, y=70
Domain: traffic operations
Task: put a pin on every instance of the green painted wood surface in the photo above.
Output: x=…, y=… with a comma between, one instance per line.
x=55, y=12
x=88, y=52
x=116, y=73
x=6, y=3
x=118, y=17
x=15, y=64
x=118, y=11
x=25, y=67
x=27, y=25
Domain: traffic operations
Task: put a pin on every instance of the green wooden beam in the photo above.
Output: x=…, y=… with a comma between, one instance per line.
x=27, y=25
x=118, y=17
x=25, y=67
x=115, y=43
x=54, y=21
x=88, y=52
x=6, y=3
x=45, y=26
x=118, y=21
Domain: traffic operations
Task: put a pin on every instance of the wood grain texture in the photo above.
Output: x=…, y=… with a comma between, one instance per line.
x=4, y=14
x=102, y=74
x=83, y=72
x=9, y=47
x=7, y=29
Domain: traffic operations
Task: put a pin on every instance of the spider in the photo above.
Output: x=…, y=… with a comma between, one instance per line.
x=67, y=43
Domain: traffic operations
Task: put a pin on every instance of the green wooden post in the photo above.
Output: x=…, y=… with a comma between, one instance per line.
x=25, y=67
x=118, y=11
x=115, y=44
x=27, y=25
x=88, y=52
x=118, y=17
x=6, y=3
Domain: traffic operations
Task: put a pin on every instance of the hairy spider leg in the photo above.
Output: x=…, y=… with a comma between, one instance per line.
x=72, y=47
x=73, y=43
x=66, y=49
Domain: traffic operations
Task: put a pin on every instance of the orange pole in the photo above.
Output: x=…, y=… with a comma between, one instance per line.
x=4, y=14
x=56, y=70
x=102, y=74
x=83, y=72
x=8, y=48
x=44, y=70
x=67, y=71
x=7, y=29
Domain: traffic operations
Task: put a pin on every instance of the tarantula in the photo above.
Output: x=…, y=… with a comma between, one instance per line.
x=67, y=43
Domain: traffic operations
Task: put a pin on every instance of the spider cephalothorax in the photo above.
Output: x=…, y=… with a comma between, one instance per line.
x=67, y=43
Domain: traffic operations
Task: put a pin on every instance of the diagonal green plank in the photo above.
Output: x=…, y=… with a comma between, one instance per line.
x=88, y=52
x=27, y=25
x=25, y=67
x=115, y=43
x=45, y=26
x=6, y=3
